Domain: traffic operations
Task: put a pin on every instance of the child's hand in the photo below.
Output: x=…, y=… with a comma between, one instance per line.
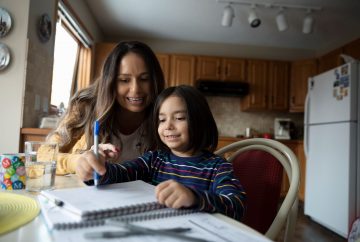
x=174, y=194
x=87, y=163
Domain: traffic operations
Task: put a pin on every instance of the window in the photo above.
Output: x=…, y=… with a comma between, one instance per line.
x=72, y=57
x=65, y=55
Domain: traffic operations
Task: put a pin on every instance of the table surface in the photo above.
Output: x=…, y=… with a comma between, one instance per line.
x=36, y=230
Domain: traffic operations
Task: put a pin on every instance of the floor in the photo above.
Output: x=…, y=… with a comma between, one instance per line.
x=310, y=231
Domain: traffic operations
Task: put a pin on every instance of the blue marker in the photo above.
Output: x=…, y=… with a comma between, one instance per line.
x=96, y=149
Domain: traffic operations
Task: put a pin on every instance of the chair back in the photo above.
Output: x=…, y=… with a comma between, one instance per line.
x=260, y=174
x=259, y=165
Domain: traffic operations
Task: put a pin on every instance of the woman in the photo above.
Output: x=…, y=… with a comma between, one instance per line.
x=121, y=99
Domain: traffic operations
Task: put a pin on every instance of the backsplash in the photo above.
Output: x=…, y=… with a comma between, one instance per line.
x=231, y=121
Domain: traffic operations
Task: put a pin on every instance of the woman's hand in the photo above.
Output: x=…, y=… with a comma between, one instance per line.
x=87, y=163
x=174, y=195
x=109, y=151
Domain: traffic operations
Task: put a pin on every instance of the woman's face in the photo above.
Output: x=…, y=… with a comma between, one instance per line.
x=173, y=126
x=133, y=83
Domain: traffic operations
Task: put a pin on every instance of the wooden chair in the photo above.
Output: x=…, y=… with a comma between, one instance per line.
x=259, y=164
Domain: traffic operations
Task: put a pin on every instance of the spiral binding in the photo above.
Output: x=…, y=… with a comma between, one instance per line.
x=114, y=212
x=135, y=214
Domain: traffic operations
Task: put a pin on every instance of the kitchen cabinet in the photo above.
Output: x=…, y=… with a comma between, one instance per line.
x=296, y=146
x=217, y=68
x=330, y=60
x=182, y=70
x=164, y=60
x=278, y=88
x=101, y=52
x=353, y=49
x=269, y=86
x=300, y=72
x=257, y=76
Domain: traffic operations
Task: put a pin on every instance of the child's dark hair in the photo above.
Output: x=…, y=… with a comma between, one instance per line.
x=203, y=133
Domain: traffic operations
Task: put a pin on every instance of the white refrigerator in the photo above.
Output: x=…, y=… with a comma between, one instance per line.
x=332, y=148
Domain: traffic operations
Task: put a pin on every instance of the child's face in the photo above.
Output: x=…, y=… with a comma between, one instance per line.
x=173, y=125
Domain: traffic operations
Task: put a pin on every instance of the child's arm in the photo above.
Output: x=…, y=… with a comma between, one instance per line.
x=226, y=195
x=137, y=169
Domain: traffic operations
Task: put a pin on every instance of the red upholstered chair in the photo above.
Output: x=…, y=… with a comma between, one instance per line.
x=259, y=165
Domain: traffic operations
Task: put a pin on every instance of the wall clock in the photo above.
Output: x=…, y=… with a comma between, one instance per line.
x=4, y=56
x=5, y=22
x=44, y=28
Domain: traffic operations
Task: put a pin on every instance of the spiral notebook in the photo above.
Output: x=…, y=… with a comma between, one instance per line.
x=89, y=203
x=89, y=206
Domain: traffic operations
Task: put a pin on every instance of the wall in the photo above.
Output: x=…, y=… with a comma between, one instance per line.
x=39, y=64
x=231, y=121
x=12, y=79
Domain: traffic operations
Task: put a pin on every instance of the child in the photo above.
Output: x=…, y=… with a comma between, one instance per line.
x=184, y=169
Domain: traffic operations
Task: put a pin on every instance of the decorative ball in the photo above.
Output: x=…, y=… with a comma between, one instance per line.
x=17, y=185
x=6, y=162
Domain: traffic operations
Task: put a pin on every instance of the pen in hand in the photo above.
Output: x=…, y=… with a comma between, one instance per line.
x=96, y=149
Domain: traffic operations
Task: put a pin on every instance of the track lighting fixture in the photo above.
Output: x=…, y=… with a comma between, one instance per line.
x=280, y=18
x=308, y=23
x=253, y=19
x=281, y=21
x=228, y=16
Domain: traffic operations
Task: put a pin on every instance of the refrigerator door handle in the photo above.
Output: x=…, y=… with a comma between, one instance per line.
x=306, y=124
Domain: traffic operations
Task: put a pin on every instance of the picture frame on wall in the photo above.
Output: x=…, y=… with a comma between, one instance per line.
x=5, y=22
x=4, y=57
x=44, y=28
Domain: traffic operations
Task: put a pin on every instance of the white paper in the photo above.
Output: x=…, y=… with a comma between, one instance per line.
x=203, y=225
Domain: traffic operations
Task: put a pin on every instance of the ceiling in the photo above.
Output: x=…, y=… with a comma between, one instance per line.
x=200, y=21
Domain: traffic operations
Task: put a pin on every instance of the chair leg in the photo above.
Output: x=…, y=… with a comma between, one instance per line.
x=291, y=222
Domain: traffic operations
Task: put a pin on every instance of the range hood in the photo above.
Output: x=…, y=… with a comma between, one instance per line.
x=223, y=88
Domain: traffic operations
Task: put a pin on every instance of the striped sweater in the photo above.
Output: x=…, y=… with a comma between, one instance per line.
x=210, y=177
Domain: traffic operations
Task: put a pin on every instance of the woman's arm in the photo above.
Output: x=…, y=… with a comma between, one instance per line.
x=66, y=162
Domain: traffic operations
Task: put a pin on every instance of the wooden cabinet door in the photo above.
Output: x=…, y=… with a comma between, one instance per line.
x=353, y=49
x=164, y=61
x=298, y=148
x=208, y=68
x=182, y=70
x=278, y=85
x=102, y=50
x=300, y=72
x=257, y=78
x=233, y=69
x=302, y=163
x=330, y=60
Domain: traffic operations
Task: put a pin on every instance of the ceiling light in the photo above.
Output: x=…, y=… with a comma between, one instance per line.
x=281, y=21
x=253, y=19
x=308, y=23
x=228, y=16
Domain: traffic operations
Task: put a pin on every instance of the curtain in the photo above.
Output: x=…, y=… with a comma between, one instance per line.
x=82, y=71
